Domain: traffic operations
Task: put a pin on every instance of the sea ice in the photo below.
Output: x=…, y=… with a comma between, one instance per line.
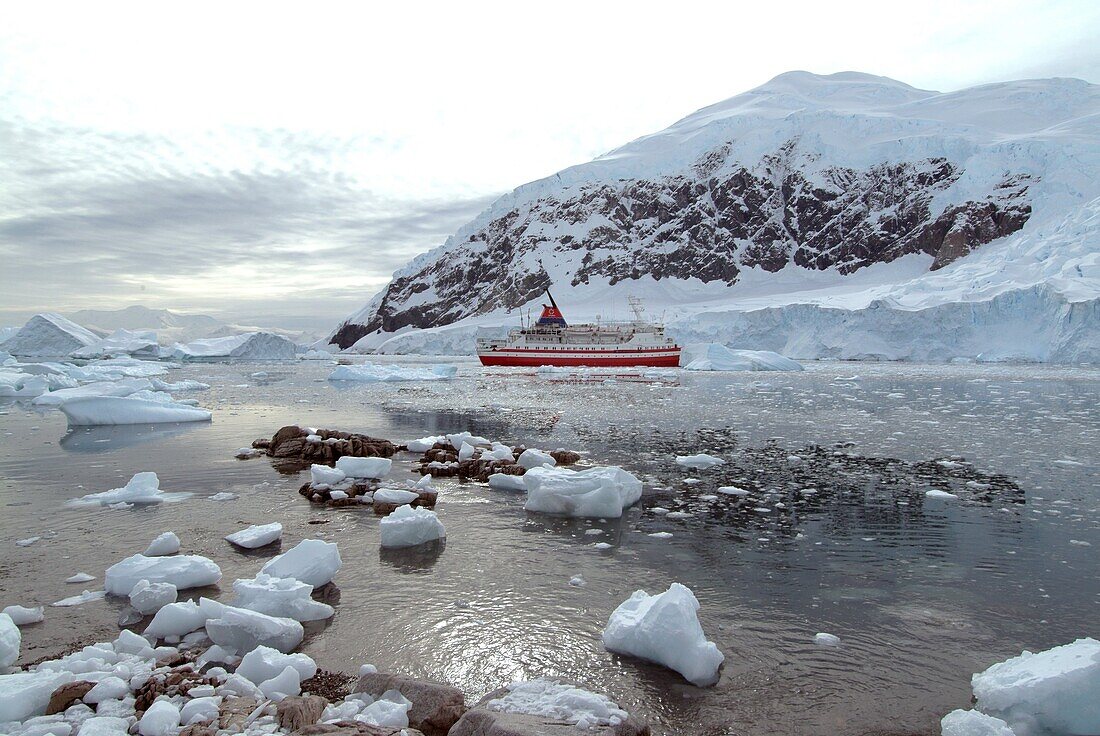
x=183, y=571
x=532, y=458
x=123, y=387
x=937, y=493
x=700, y=461
x=263, y=663
x=827, y=640
x=183, y=385
x=280, y=597
x=142, y=488
x=256, y=536
x=972, y=723
x=371, y=372
x=364, y=467
x=105, y=726
x=408, y=527
x=665, y=629
x=10, y=640
x=395, y=495
x=24, y=616
x=100, y=410
x=597, y=492
x=165, y=544
x=311, y=561
x=559, y=702
x=1049, y=692
x=242, y=630
x=504, y=482
x=146, y=597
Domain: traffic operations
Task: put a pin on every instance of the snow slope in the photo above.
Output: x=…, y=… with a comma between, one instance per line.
x=821, y=216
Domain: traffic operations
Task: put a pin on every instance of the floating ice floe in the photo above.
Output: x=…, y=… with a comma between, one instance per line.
x=504, y=482
x=23, y=615
x=532, y=458
x=80, y=577
x=376, y=373
x=136, y=343
x=242, y=630
x=182, y=571
x=937, y=493
x=559, y=702
x=280, y=597
x=1048, y=692
x=259, y=535
x=10, y=641
x=246, y=346
x=311, y=561
x=122, y=387
x=364, y=467
x=165, y=544
x=826, y=639
x=716, y=357
x=408, y=527
x=183, y=385
x=146, y=597
x=49, y=335
x=597, y=492
x=143, y=488
x=100, y=410
x=700, y=461
x=665, y=629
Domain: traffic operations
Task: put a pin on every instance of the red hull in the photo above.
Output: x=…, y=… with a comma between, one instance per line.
x=621, y=360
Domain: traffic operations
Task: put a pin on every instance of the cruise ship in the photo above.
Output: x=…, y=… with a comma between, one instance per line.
x=551, y=341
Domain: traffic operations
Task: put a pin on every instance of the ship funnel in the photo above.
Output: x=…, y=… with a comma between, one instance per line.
x=551, y=315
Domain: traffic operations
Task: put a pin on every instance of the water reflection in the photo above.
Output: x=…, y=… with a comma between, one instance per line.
x=115, y=437
x=414, y=560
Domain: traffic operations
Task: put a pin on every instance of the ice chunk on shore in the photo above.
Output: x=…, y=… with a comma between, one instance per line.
x=311, y=561
x=700, y=461
x=559, y=702
x=458, y=438
x=183, y=571
x=246, y=346
x=375, y=373
x=86, y=597
x=263, y=663
x=200, y=709
x=142, y=488
x=26, y=694
x=10, y=640
x=105, y=726
x=49, y=335
x=281, y=597
x=972, y=723
x=665, y=629
x=176, y=619
x=408, y=527
x=395, y=495
x=597, y=492
x=532, y=458
x=505, y=482
x=324, y=475
x=146, y=597
x=1048, y=692
x=286, y=683
x=243, y=630
x=165, y=544
x=425, y=443
x=255, y=536
x=364, y=467
x=113, y=410
x=716, y=357
x=24, y=616
x=161, y=719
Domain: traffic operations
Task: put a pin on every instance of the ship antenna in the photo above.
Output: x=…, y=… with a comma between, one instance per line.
x=636, y=307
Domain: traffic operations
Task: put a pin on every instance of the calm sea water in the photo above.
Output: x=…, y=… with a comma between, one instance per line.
x=922, y=592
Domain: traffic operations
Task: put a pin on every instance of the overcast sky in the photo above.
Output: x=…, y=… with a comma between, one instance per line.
x=273, y=164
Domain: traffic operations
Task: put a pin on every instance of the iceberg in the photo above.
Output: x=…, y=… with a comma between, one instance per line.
x=182, y=571
x=246, y=346
x=311, y=561
x=596, y=492
x=99, y=410
x=408, y=527
x=717, y=357
x=665, y=629
x=375, y=373
x=122, y=387
x=49, y=335
x=141, y=343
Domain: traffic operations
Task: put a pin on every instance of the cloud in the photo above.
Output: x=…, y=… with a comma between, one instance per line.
x=133, y=218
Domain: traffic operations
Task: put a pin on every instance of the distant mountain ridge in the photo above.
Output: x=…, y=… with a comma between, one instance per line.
x=833, y=191
x=170, y=326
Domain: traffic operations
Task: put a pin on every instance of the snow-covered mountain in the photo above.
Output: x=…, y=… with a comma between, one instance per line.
x=170, y=326
x=821, y=216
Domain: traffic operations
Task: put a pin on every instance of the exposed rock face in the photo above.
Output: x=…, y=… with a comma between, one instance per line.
x=707, y=224
x=435, y=707
x=480, y=721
